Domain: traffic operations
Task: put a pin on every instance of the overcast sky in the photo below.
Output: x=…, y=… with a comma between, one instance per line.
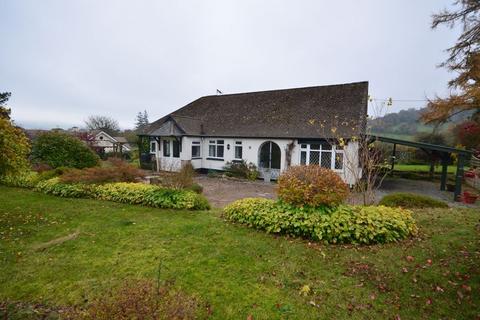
x=66, y=60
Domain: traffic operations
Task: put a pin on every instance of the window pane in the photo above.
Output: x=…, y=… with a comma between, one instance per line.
x=275, y=157
x=238, y=152
x=153, y=147
x=238, y=142
x=219, y=141
x=326, y=146
x=303, y=157
x=304, y=146
x=176, y=149
x=326, y=161
x=195, y=142
x=166, y=148
x=219, y=151
x=195, y=151
x=339, y=161
x=211, y=141
x=314, y=157
x=315, y=146
x=211, y=151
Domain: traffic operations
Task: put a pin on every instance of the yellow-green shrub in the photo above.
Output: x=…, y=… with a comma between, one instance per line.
x=20, y=180
x=311, y=185
x=342, y=224
x=131, y=193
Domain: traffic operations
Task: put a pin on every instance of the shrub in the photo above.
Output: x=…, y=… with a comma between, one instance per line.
x=124, y=192
x=58, y=149
x=14, y=148
x=195, y=188
x=410, y=200
x=183, y=178
x=54, y=187
x=20, y=180
x=115, y=170
x=311, y=185
x=153, y=196
x=241, y=169
x=342, y=224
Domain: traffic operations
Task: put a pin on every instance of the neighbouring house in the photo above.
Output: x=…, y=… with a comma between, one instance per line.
x=106, y=143
x=272, y=129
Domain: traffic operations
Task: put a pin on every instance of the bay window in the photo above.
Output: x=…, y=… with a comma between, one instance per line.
x=323, y=154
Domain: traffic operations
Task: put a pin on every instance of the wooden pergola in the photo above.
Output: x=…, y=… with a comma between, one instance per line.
x=444, y=151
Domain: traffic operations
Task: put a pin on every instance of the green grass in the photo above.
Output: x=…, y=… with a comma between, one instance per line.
x=411, y=201
x=422, y=168
x=236, y=270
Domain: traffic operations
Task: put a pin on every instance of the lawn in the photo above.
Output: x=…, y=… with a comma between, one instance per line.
x=423, y=168
x=236, y=270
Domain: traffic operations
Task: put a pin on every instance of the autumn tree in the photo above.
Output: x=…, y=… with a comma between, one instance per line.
x=103, y=123
x=4, y=110
x=14, y=144
x=464, y=60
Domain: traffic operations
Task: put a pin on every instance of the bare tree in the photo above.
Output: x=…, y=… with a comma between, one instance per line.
x=364, y=159
x=104, y=123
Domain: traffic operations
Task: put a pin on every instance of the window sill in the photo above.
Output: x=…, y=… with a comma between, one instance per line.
x=237, y=160
x=215, y=159
x=196, y=158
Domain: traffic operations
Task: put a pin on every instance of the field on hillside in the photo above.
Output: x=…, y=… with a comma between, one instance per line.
x=61, y=252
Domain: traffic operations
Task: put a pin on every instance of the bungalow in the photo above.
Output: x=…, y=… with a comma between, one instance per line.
x=107, y=143
x=272, y=129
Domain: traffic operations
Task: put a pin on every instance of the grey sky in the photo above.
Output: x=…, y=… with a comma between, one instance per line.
x=65, y=60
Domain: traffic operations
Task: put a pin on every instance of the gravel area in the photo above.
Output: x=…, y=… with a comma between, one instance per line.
x=221, y=191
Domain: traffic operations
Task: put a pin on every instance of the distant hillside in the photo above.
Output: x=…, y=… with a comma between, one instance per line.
x=405, y=125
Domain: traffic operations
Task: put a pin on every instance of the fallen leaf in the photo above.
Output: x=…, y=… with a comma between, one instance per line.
x=250, y=317
x=429, y=301
x=466, y=288
x=429, y=261
x=404, y=270
x=410, y=258
x=440, y=289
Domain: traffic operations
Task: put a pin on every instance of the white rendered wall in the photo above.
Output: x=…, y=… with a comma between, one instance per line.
x=251, y=146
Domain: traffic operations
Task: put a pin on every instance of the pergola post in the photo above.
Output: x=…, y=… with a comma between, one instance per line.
x=459, y=177
x=393, y=157
x=140, y=147
x=443, y=179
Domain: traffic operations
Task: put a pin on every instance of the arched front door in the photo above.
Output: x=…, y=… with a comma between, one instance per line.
x=269, y=159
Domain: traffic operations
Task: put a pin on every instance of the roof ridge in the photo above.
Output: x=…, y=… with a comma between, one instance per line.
x=286, y=89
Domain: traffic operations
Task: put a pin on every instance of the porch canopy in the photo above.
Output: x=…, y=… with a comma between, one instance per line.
x=444, y=151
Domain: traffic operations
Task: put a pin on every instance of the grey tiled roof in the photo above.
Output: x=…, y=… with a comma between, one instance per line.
x=309, y=112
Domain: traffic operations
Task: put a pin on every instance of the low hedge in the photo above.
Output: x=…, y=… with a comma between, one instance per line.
x=411, y=201
x=126, y=192
x=341, y=224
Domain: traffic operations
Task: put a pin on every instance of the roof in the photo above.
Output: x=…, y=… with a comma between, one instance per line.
x=309, y=112
x=423, y=145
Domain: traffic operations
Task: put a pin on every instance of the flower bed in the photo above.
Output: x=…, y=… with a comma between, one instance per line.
x=124, y=192
x=340, y=224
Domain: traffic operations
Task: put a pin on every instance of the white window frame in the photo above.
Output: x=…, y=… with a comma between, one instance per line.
x=154, y=145
x=166, y=148
x=306, y=147
x=237, y=144
x=215, y=143
x=196, y=144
